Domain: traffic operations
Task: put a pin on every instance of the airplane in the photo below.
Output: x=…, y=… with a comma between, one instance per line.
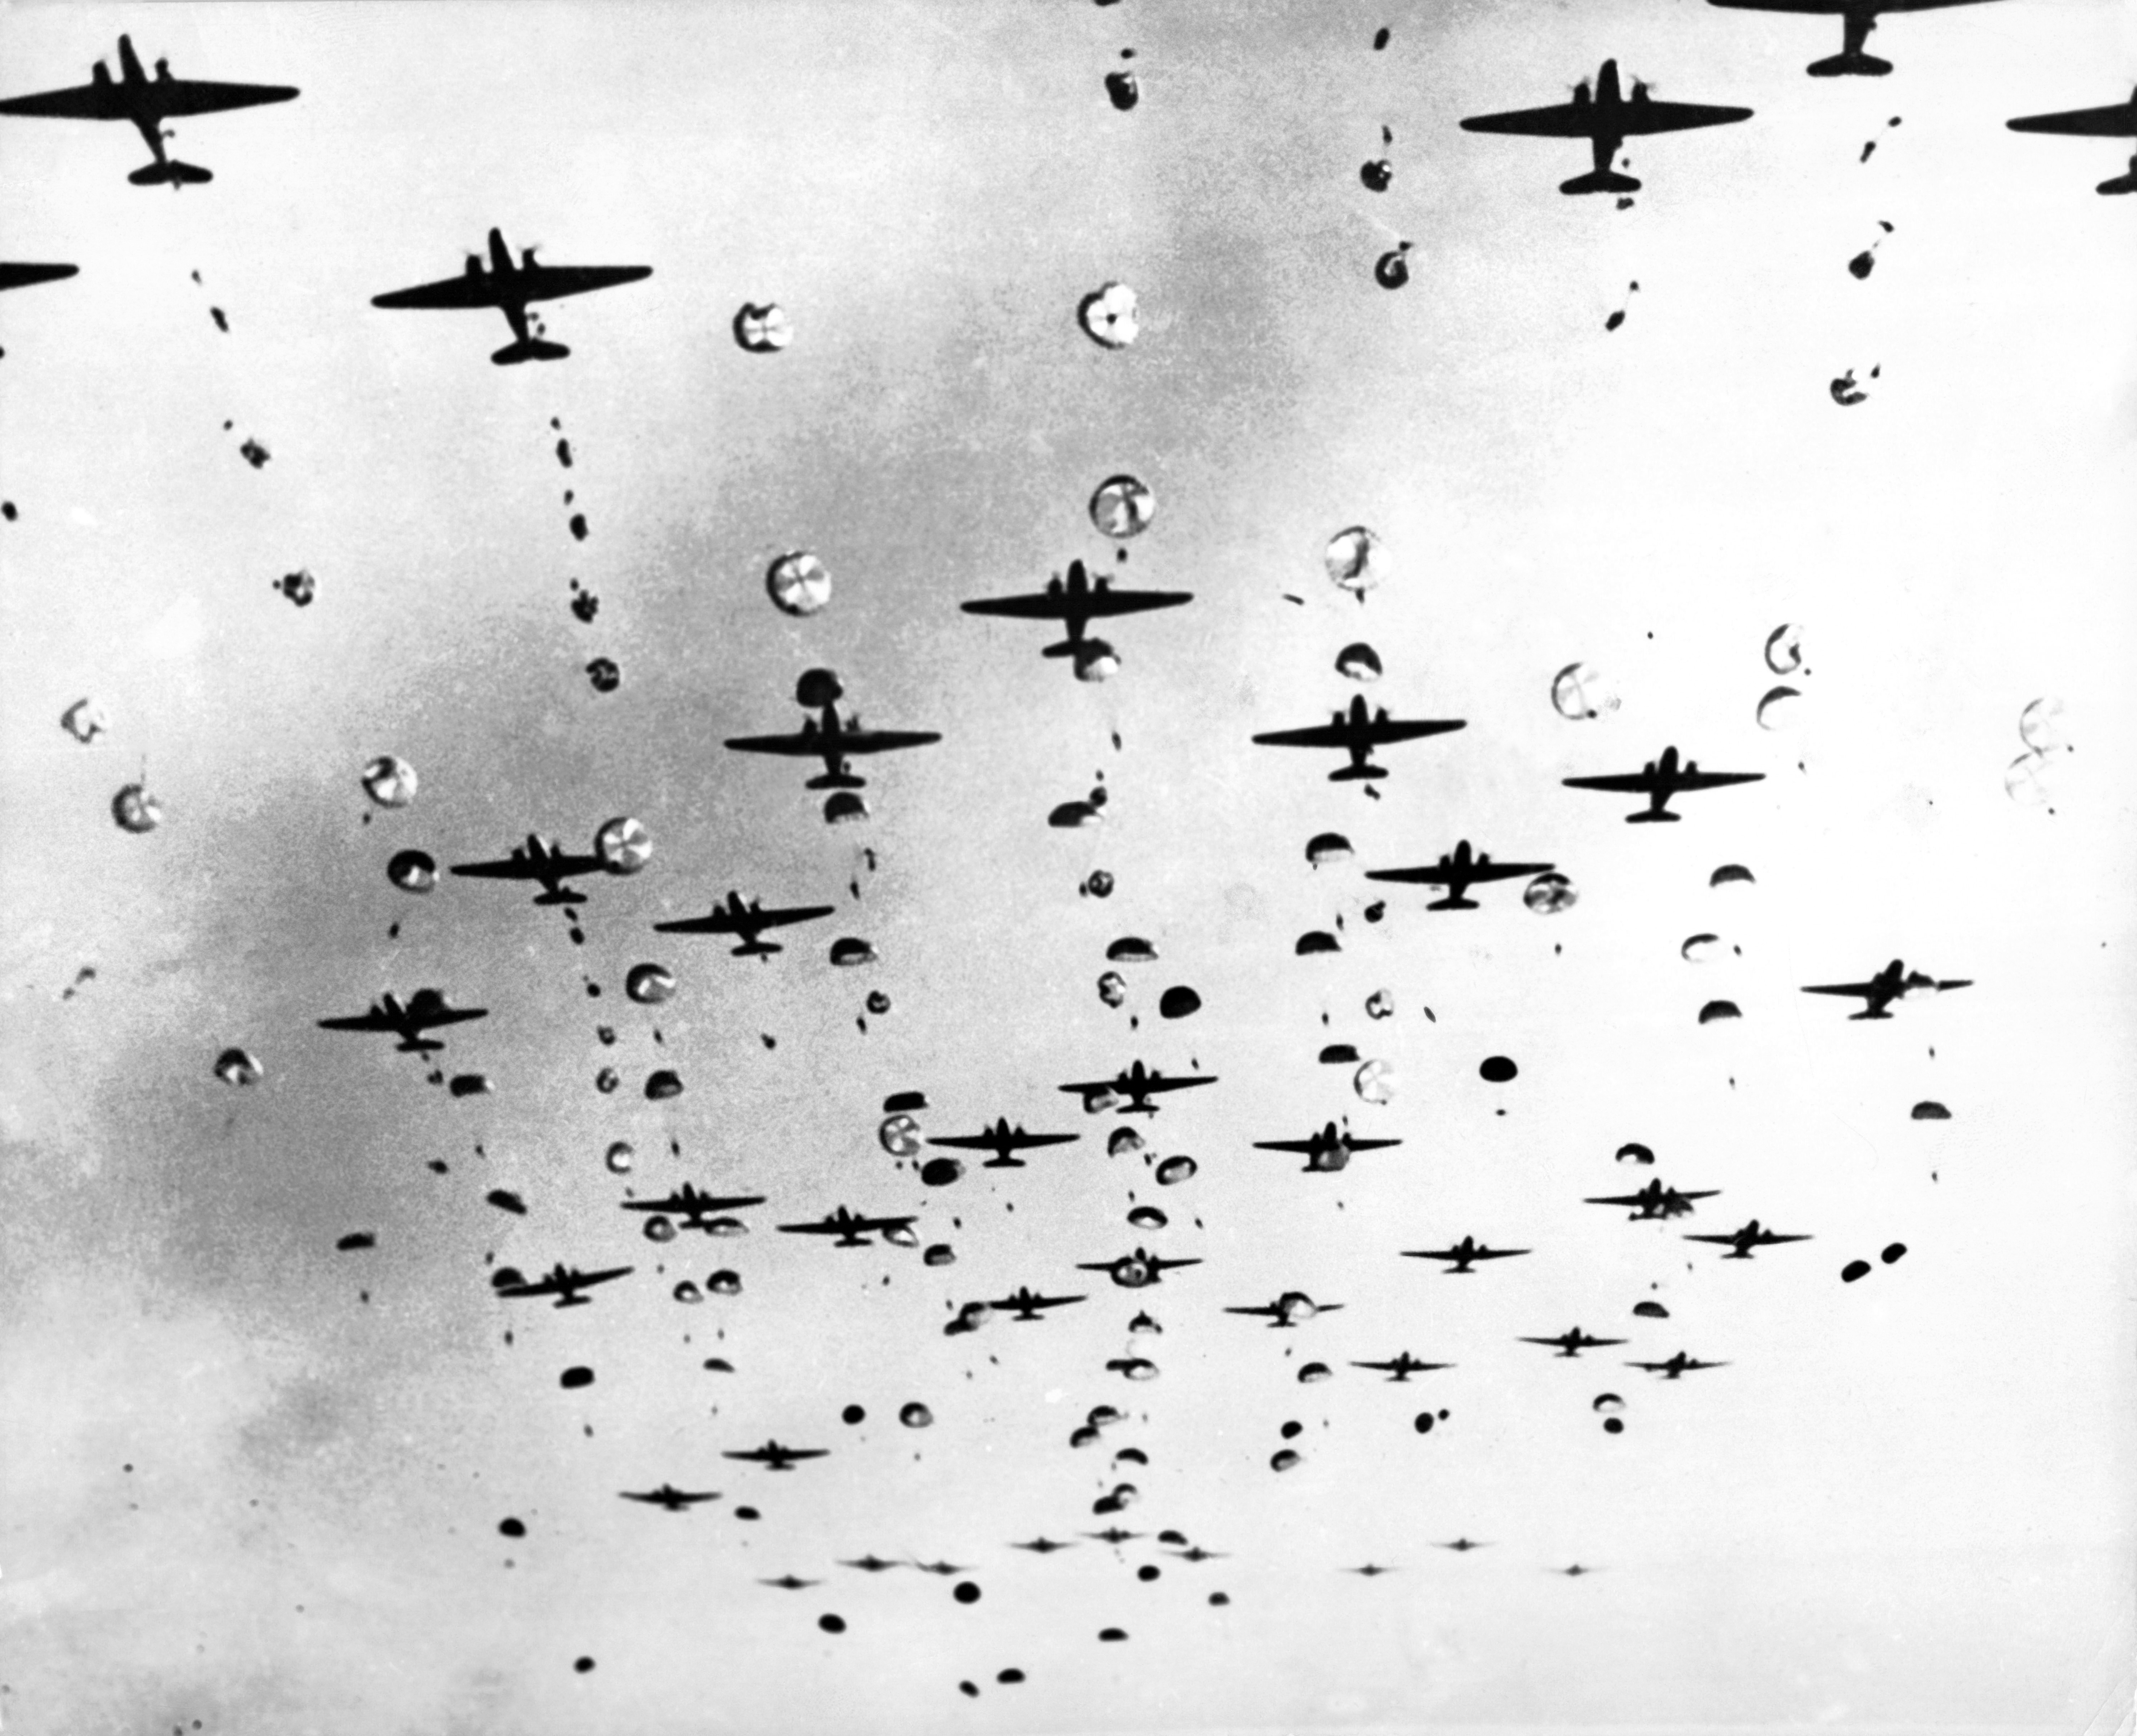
x=1371, y=1570
x=509, y=288
x=1857, y=19
x=1358, y=734
x=1457, y=873
x=675, y=1500
x=1025, y=1304
x=1197, y=1553
x=1463, y=1545
x=1140, y=1084
x=2117, y=121
x=1114, y=1534
x=1326, y=1151
x=564, y=1282
x=945, y=1569
x=872, y=1564
x=1654, y=1200
x=1575, y=1572
x=1740, y=1243
x=1076, y=605
x=851, y=1229
x=1895, y=982
x=1677, y=1365
x=1133, y=1271
x=1572, y=1342
x=1402, y=1365
x=425, y=1010
x=1468, y=1248
x=22, y=276
x=540, y=859
x=1005, y=1140
x=693, y=1206
x=774, y=1457
x=147, y=103
x=1606, y=120
x=790, y=1583
x=1042, y=1545
x=825, y=737
x=1293, y=1308
x=1659, y=781
x=748, y=920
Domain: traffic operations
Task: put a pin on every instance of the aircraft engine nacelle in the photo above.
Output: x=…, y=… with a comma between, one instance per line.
x=99, y=75
x=163, y=71
x=475, y=264
x=527, y=259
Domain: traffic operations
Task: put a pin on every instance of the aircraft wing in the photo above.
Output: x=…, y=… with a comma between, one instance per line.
x=1713, y=780
x=373, y=1021
x=550, y=283
x=1305, y=1148
x=1158, y=1084
x=21, y=276
x=1630, y=783
x=521, y=868
x=1632, y=1200
x=782, y=918
x=1087, y=1087
x=719, y=922
x=580, y=1279
x=1497, y=1253
x=1384, y=730
x=1647, y=115
x=1268, y=1308
x=178, y=96
x=826, y=1229
x=1168, y=1265
x=1321, y=735
x=1431, y=1254
x=1724, y=1241
x=1033, y=606
x=1099, y=602
x=1017, y=1142
x=1416, y=876
x=469, y=290
x=1830, y=7
x=796, y=745
x=430, y=1018
x=2117, y=121
x=883, y=741
x=1866, y=991
x=77, y=102
x=1561, y=120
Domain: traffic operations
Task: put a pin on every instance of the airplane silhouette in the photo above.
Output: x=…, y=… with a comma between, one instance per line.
x=1893, y=983
x=1573, y=1341
x=1402, y=1365
x=1293, y=1308
x=851, y=1229
x=692, y=1207
x=542, y=860
x=1024, y=1303
x=1606, y=119
x=22, y=276
x=425, y=1010
x=147, y=103
x=1465, y=1251
x=872, y=1564
x=748, y=920
x=1740, y=1243
x=1659, y=781
x=1326, y=1151
x=825, y=737
x=667, y=1496
x=790, y=1583
x=1677, y=1365
x=509, y=288
x=1457, y=873
x=1133, y=1272
x=1357, y=733
x=1004, y=1141
x=1195, y=1551
x=1857, y=19
x=1654, y=1200
x=564, y=1282
x=1463, y=1545
x=774, y=1457
x=1042, y=1545
x=2116, y=120
x=1076, y=604
x=1139, y=1085
x=1114, y=1534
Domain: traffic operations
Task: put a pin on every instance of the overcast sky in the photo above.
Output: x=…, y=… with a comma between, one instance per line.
x=253, y=1480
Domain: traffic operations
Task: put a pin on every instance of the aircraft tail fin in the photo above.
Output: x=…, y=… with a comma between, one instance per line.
x=836, y=780
x=1353, y=774
x=562, y=894
x=1650, y=817
x=531, y=349
x=1453, y=903
x=171, y=174
x=1857, y=65
x=1600, y=181
x=2121, y=183
x=1066, y=648
x=758, y=949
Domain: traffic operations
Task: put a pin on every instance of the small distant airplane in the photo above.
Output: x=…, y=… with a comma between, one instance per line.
x=147, y=103
x=1113, y=1534
x=1654, y=1200
x=1465, y=1251
x=826, y=738
x=1133, y=1272
x=851, y=1229
x=790, y=1583
x=1138, y=1084
x=1463, y=1545
x=425, y=1010
x=1326, y=1151
x=1076, y=604
x=1740, y=1243
x=1895, y=982
x=2117, y=121
x=564, y=1282
x=693, y=1206
x=542, y=860
x=1402, y=1365
x=1293, y=1308
x=1004, y=1141
x=748, y=920
x=945, y=1569
x=1357, y=733
x=1677, y=1365
x=774, y=1457
x=667, y=1496
x=1457, y=873
x=1371, y=1570
x=21, y=276
x=1573, y=1341
x=1025, y=1304
x=1606, y=119
x=509, y=288
x=872, y=1564
x=1659, y=781
x=1042, y=1545
x=1576, y=1570
x=1857, y=19
x=1195, y=1551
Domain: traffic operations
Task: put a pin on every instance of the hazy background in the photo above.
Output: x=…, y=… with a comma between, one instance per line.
x=231, y=1491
